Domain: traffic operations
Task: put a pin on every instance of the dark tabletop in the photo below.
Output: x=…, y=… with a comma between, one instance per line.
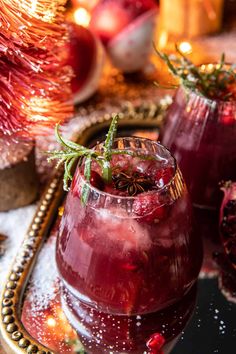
x=212, y=328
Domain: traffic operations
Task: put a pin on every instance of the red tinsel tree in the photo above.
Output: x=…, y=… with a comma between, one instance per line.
x=34, y=83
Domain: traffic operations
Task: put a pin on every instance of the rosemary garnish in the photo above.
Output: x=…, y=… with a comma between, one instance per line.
x=106, y=166
x=215, y=82
x=73, y=152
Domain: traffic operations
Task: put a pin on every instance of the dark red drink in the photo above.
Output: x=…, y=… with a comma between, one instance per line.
x=129, y=255
x=201, y=133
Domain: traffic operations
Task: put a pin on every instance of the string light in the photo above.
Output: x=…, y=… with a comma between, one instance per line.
x=210, y=67
x=185, y=47
x=82, y=17
x=163, y=38
x=51, y=322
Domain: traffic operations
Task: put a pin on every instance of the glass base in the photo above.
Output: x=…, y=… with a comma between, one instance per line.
x=105, y=333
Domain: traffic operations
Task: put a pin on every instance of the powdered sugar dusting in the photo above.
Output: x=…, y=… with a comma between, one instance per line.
x=14, y=225
x=44, y=284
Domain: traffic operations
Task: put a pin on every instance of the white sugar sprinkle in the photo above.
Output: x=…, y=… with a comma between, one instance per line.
x=44, y=287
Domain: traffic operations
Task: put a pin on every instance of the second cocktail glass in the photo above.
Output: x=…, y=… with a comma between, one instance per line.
x=200, y=132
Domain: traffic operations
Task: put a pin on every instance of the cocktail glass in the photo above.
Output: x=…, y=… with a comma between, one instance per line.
x=129, y=255
x=200, y=132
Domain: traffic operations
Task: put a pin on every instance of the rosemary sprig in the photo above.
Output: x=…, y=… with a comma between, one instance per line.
x=87, y=175
x=73, y=152
x=214, y=83
x=106, y=165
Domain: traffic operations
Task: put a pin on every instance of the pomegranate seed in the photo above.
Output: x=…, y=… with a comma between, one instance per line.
x=130, y=267
x=146, y=206
x=155, y=343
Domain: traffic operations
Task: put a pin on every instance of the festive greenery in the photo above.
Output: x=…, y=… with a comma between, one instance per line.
x=212, y=81
x=73, y=151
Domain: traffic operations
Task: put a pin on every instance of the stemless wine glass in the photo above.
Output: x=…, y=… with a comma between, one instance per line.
x=127, y=255
x=201, y=132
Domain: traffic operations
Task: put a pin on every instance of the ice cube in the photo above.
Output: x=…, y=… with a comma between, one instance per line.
x=144, y=166
x=122, y=229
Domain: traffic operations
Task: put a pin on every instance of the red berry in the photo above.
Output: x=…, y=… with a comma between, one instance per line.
x=163, y=176
x=228, y=116
x=155, y=343
x=147, y=207
x=96, y=180
x=130, y=266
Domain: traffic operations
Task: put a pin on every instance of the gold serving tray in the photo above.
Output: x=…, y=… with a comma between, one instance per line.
x=14, y=337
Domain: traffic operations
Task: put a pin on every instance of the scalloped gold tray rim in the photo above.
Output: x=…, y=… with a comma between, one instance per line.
x=14, y=337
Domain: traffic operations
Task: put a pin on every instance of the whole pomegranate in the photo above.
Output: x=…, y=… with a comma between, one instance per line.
x=228, y=221
x=126, y=29
x=86, y=56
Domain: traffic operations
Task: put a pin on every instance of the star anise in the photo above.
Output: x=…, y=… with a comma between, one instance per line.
x=2, y=247
x=134, y=184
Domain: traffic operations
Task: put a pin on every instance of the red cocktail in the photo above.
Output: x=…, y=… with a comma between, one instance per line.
x=201, y=132
x=130, y=249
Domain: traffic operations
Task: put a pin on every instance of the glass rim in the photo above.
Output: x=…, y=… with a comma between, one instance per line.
x=164, y=188
x=211, y=101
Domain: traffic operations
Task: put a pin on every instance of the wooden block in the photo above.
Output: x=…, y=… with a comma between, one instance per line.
x=18, y=177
